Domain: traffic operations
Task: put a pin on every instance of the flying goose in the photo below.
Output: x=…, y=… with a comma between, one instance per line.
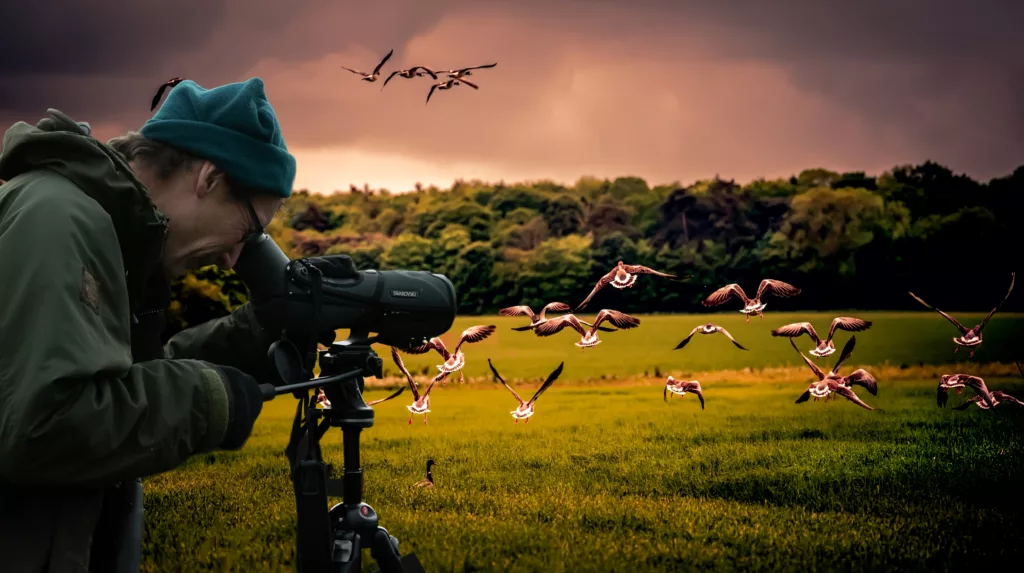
x=461, y=73
x=429, y=480
x=681, y=387
x=709, y=328
x=163, y=87
x=454, y=361
x=421, y=402
x=537, y=320
x=321, y=398
x=824, y=347
x=997, y=399
x=447, y=85
x=751, y=306
x=413, y=72
x=376, y=71
x=526, y=409
x=588, y=338
x=971, y=337
x=832, y=383
x=949, y=382
x=621, y=277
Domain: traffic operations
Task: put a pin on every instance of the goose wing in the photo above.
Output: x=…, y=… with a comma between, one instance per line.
x=778, y=288
x=721, y=295
x=503, y=383
x=601, y=283
x=469, y=83
x=554, y=307
x=475, y=68
x=521, y=310
x=619, y=319
x=851, y=396
x=434, y=344
x=1004, y=397
x=993, y=311
x=845, y=354
x=686, y=340
x=395, y=395
x=429, y=71
x=695, y=388
x=849, y=324
x=431, y=92
x=814, y=367
x=955, y=322
x=548, y=382
x=555, y=325
x=353, y=71
x=642, y=270
x=864, y=379
x=797, y=329
x=978, y=385
x=381, y=64
x=942, y=396
x=391, y=75
x=475, y=334
x=401, y=368
x=968, y=403
x=729, y=336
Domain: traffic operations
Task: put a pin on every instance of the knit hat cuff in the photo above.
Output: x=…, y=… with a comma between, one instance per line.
x=247, y=160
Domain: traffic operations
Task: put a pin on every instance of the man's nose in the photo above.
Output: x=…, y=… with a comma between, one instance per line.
x=229, y=258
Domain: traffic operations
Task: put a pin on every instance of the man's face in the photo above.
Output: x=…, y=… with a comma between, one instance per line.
x=212, y=222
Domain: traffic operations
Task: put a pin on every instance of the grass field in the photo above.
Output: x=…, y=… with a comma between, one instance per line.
x=612, y=478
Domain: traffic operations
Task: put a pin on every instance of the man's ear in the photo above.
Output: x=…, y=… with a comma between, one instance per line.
x=209, y=178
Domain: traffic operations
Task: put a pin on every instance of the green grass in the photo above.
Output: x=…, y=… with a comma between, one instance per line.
x=612, y=478
x=895, y=337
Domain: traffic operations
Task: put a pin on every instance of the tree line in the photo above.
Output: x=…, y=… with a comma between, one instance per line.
x=849, y=240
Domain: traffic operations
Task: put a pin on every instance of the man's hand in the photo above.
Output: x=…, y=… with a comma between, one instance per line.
x=245, y=401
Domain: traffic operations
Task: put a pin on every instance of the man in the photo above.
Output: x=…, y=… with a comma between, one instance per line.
x=91, y=236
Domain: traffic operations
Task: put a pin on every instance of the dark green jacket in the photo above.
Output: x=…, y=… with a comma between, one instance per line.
x=89, y=397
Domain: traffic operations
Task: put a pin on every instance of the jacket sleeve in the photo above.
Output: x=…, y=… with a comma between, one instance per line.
x=73, y=408
x=234, y=340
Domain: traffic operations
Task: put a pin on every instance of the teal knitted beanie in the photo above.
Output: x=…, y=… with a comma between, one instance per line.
x=233, y=126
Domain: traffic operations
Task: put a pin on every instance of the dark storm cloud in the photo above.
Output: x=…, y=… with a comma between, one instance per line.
x=103, y=60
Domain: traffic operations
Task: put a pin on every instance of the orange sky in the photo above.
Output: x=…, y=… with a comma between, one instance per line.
x=605, y=88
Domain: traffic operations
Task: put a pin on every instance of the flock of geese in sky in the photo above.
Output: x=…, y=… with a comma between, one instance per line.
x=451, y=79
x=828, y=386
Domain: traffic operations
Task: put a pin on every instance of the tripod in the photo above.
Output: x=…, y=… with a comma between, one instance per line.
x=332, y=541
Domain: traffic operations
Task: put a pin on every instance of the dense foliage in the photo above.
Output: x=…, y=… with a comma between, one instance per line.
x=849, y=240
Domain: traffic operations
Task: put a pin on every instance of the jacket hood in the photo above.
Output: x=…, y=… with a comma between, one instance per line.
x=60, y=144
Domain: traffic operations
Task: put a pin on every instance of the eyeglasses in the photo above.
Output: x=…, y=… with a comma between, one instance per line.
x=255, y=226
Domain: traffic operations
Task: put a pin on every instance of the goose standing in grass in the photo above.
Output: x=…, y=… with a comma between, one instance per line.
x=163, y=87
x=463, y=72
x=413, y=72
x=709, y=328
x=588, y=338
x=832, y=383
x=824, y=347
x=621, y=277
x=371, y=77
x=971, y=337
x=751, y=305
x=526, y=409
x=957, y=382
x=421, y=402
x=449, y=84
x=454, y=361
x=429, y=480
x=681, y=387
